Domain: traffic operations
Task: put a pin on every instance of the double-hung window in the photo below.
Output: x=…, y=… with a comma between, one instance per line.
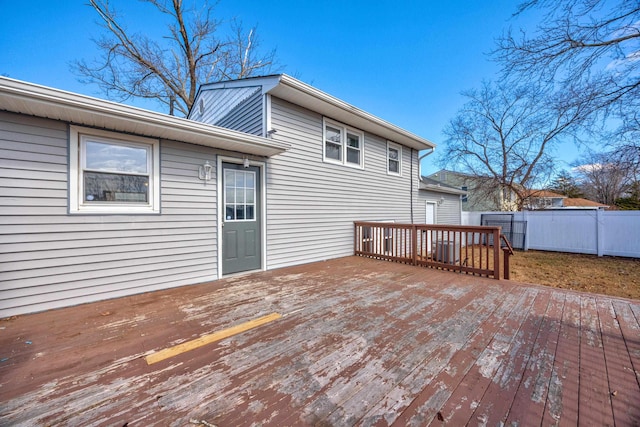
x=343, y=144
x=113, y=173
x=394, y=159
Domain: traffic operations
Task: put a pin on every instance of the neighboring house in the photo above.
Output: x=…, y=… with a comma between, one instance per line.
x=544, y=199
x=476, y=199
x=443, y=202
x=102, y=200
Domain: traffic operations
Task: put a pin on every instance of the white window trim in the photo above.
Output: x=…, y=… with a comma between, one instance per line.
x=343, y=143
x=399, y=148
x=76, y=204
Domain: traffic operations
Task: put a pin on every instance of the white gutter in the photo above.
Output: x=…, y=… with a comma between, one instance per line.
x=420, y=161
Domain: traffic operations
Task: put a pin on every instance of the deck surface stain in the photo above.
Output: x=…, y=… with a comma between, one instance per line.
x=361, y=342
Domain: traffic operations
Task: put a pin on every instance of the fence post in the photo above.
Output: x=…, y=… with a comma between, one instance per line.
x=496, y=252
x=414, y=246
x=507, y=273
x=600, y=232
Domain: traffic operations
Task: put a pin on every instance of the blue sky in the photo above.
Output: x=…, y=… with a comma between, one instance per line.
x=404, y=61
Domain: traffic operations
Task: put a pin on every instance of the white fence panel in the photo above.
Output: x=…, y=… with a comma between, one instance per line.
x=622, y=233
x=562, y=231
x=615, y=233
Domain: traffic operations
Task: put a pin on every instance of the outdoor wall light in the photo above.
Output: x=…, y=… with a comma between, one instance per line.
x=204, y=171
x=441, y=201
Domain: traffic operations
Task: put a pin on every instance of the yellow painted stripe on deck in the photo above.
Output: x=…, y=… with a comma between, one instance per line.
x=210, y=338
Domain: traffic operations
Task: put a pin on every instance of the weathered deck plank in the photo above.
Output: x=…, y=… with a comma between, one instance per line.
x=561, y=407
x=361, y=342
x=595, y=407
x=623, y=384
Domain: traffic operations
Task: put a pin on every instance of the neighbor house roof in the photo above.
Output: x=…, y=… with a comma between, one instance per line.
x=543, y=194
x=293, y=90
x=579, y=202
x=440, y=187
x=41, y=101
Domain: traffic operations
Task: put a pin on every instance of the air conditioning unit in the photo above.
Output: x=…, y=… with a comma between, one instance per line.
x=445, y=251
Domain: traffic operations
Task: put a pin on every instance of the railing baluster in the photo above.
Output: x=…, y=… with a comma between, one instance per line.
x=430, y=245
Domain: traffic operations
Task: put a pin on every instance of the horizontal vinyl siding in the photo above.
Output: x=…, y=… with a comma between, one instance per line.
x=51, y=259
x=311, y=205
x=447, y=213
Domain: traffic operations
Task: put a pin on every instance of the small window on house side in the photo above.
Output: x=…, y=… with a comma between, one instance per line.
x=343, y=145
x=464, y=198
x=113, y=173
x=394, y=159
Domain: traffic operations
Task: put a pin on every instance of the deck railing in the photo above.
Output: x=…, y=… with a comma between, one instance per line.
x=468, y=249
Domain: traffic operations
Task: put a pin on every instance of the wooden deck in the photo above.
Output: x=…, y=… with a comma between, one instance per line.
x=360, y=342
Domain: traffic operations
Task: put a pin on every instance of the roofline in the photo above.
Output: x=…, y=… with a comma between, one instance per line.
x=297, y=92
x=328, y=102
x=28, y=98
x=441, y=189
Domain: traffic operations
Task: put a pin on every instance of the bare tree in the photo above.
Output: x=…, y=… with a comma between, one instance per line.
x=170, y=70
x=586, y=45
x=505, y=133
x=602, y=178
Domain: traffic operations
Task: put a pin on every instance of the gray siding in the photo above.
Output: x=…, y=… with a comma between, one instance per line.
x=246, y=116
x=311, y=205
x=448, y=213
x=50, y=259
x=239, y=109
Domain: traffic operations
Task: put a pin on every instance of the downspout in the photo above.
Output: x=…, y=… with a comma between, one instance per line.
x=411, y=191
x=431, y=150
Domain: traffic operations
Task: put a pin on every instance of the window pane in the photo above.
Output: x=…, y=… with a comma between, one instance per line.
x=332, y=134
x=250, y=212
x=239, y=211
x=353, y=156
x=229, y=178
x=239, y=195
x=116, y=158
x=393, y=154
x=394, y=166
x=333, y=151
x=353, y=140
x=110, y=187
x=250, y=196
x=239, y=179
x=250, y=179
x=229, y=212
x=229, y=195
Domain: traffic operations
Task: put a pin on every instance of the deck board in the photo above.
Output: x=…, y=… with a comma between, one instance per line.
x=361, y=342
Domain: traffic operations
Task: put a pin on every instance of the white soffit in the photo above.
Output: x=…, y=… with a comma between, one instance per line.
x=41, y=101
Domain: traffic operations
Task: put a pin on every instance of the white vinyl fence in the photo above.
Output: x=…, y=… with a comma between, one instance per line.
x=600, y=232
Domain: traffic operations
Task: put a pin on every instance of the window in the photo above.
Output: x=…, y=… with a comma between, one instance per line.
x=394, y=159
x=465, y=197
x=343, y=145
x=239, y=195
x=113, y=173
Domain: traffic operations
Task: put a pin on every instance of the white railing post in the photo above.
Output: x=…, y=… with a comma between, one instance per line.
x=600, y=231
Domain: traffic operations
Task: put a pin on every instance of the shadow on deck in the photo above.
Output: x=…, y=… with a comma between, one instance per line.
x=360, y=342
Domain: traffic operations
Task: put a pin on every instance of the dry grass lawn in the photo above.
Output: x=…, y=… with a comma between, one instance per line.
x=588, y=273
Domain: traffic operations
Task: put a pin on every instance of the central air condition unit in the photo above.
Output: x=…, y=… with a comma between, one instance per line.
x=445, y=251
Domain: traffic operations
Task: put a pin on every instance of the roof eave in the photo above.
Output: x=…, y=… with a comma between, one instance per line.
x=41, y=101
x=297, y=92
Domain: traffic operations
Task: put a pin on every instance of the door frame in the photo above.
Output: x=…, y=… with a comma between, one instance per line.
x=220, y=207
x=435, y=211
